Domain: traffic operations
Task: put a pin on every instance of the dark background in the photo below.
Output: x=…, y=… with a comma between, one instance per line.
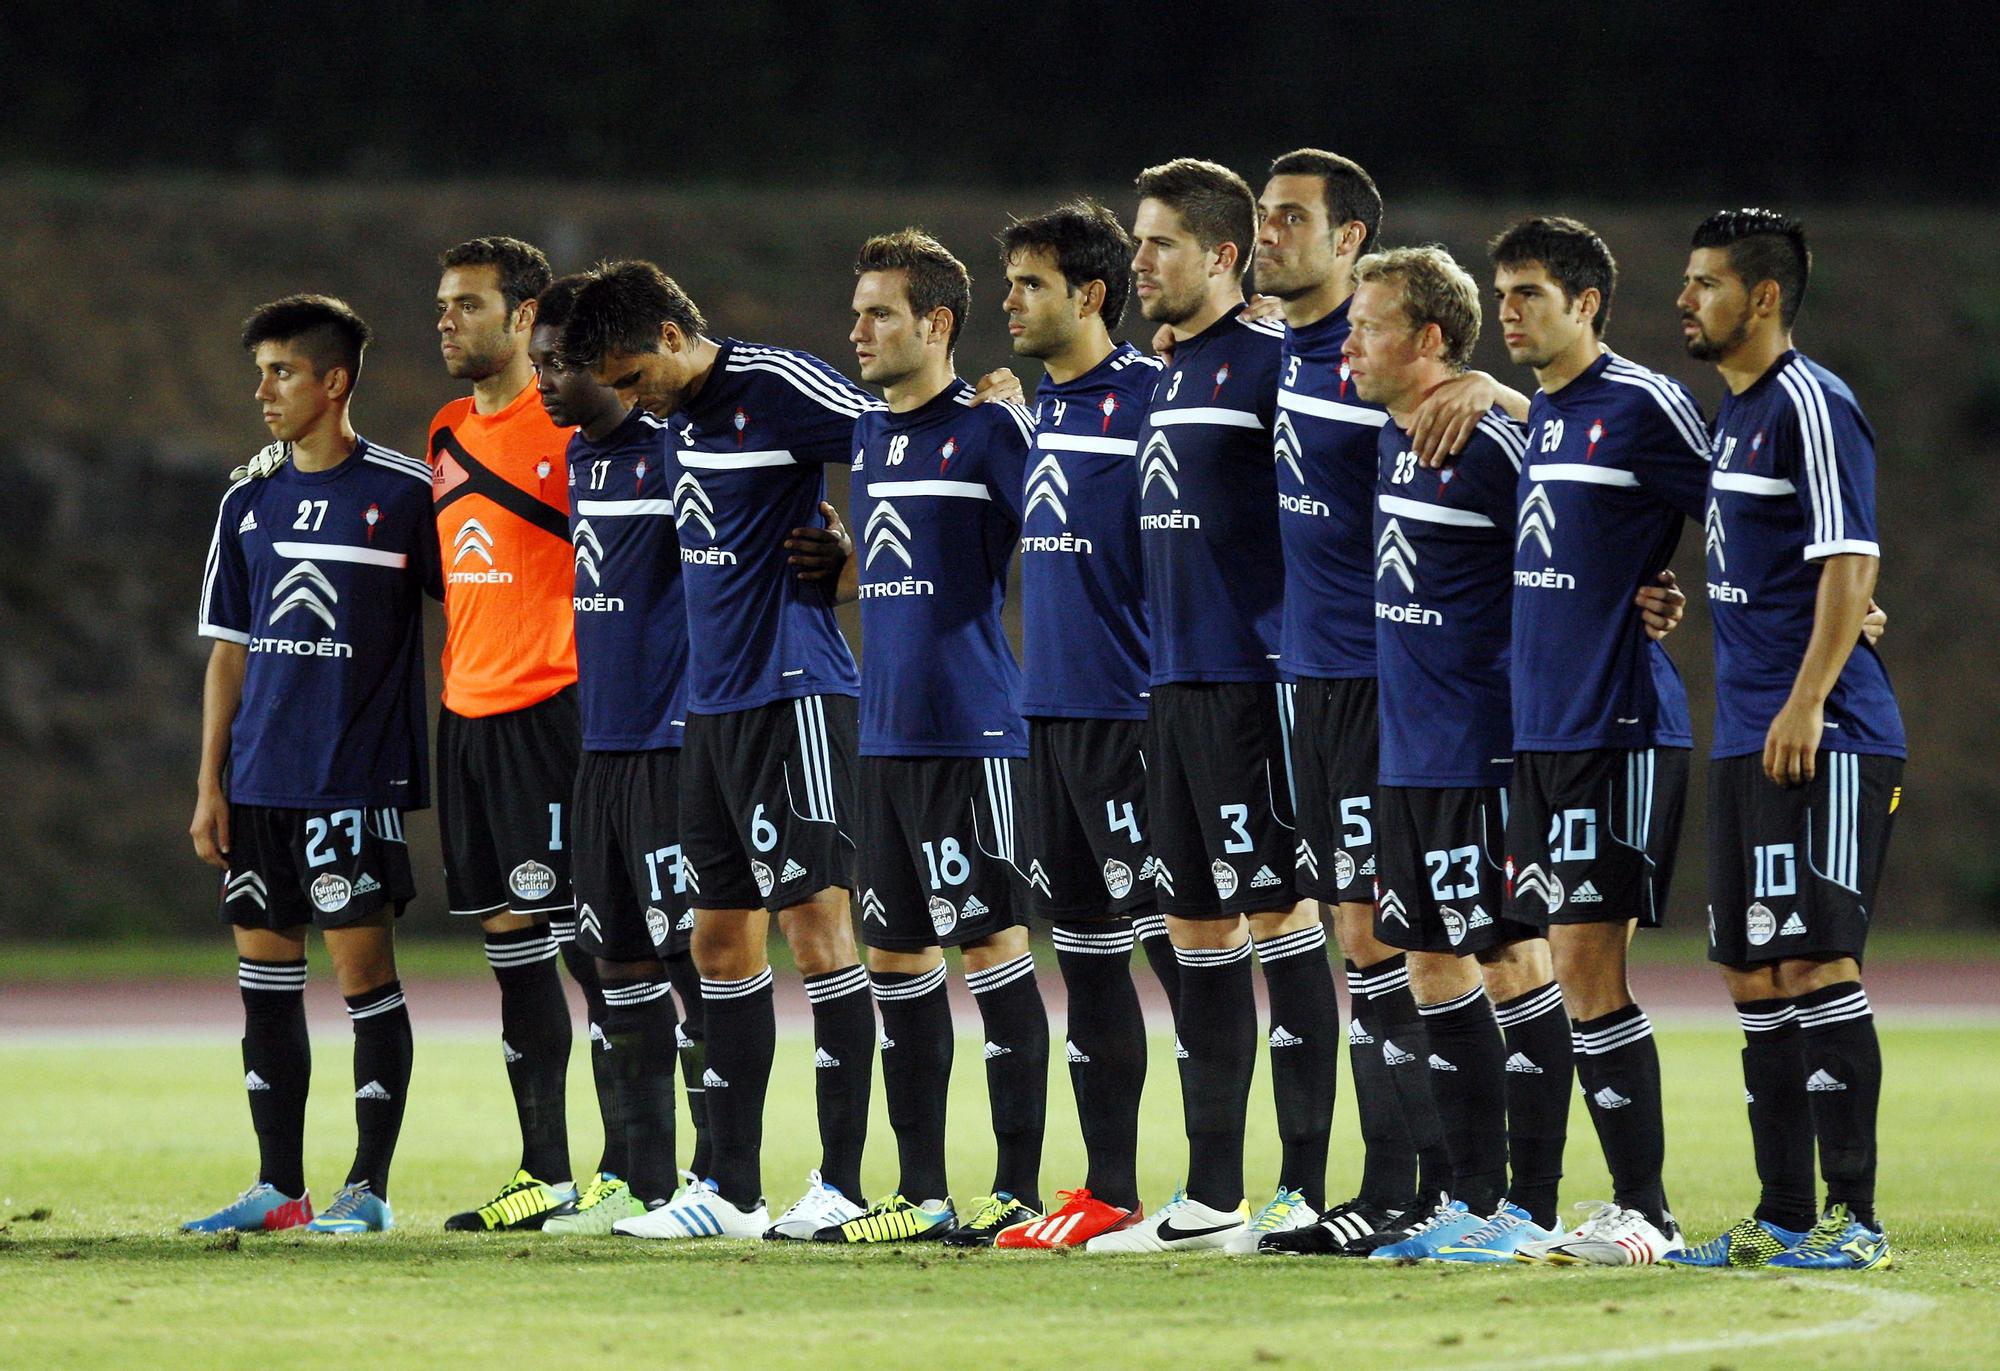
x=162, y=171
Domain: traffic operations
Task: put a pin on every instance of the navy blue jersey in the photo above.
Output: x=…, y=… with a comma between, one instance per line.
x=752, y=448
x=1083, y=590
x=937, y=497
x=631, y=618
x=1444, y=561
x=321, y=576
x=1325, y=440
x=1208, y=506
x=1616, y=459
x=1793, y=482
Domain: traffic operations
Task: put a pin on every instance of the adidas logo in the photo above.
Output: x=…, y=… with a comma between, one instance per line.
x=995, y=1050
x=1281, y=1037
x=1440, y=1064
x=1822, y=1082
x=1357, y=1036
x=1368, y=867
x=682, y=1042
x=1264, y=877
x=1521, y=1066
x=686, y=922
x=1794, y=927
x=253, y=1081
x=367, y=885
x=886, y=1043
x=249, y=521
x=597, y=1036
x=372, y=1091
x=792, y=872
x=1586, y=894
x=1479, y=918
x=508, y=1054
x=711, y=1081
x=822, y=1059
x=1075, y=1057
x=1393, y=1055
x=974, y=907
x=1180, y=1053
x=1607, y=1098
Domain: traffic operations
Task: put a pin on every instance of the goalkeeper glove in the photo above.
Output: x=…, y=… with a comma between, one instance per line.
x=264, y=463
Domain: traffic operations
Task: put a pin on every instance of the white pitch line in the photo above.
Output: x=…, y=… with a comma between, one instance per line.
x=1885, y=1307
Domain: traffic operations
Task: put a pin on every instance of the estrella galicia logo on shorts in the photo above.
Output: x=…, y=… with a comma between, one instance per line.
x=531, y=881
x=1760, y=924
x=1454, y=924
x=1117, y=878
x=1225, y=877
x=657, y=925
x=764, y=880
x=944, y=915
x=1343, y=869
x=330, y=893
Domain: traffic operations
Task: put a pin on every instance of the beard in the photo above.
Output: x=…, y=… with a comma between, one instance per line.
x=1170, y=309
x=1705, y=347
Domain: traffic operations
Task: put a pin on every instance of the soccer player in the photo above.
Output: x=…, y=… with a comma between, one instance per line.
x=631, y=650
x=1218, y=783
x=1617, y=456
x=508, y=735
x=313, y=749
x=1809, y=746
x=767, y=751
x=937, y=496
x=1088, y=867
x=1318, y=214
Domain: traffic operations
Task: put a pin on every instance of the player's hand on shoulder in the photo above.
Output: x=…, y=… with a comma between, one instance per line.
x=268, y=459
x=1661, y=605
x=1444, y=423
x=1163, y=343
x=210, y=829
x=817, y=554
x=1261, y=307
x=999, y=385
x=1875, y=625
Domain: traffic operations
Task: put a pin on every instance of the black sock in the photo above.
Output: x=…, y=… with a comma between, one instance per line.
x=1843, y=1066
x=1017, y=1072
x=381, y=1081
x=916, y=1075
x=1468, y=1065
x=1151, y=931
x=1305, y=1055
x=534, y=1038
x=1388, y=1158
x=277, y=1067
x=603, y=1071
x=1781, y=1124
x=690, y=1041
x=1540, y=1067
x=1218, y=1031
x=843, y=1072
x=1106, y=1048
x=742, y=1030
x=1620, y=1069
x=639, y=1023
x=1393, y=1015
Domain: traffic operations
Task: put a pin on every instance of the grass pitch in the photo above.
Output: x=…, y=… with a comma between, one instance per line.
x=104, y=1147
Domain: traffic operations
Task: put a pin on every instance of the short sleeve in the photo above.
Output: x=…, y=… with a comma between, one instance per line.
x=425, y=556
x=225, y=578
x=1671, y=458
x=828, y=405
x=1491, y=469
x=1013, y=435
x=1835, y=471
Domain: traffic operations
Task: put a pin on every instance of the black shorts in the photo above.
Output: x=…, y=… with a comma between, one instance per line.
x=1591, y=835
x=1792, y=870
x=504, y=788
x=1084, y=812
x=631, y=885
x=1444, y=876
x=1336, y=737
x=935, y=865
x=1219, y=794
x=325, y=867
x=765, y=797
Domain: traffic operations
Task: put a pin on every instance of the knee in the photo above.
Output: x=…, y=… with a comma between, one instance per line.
x=722, y=952
x=1279, y=922
x=1206, y=933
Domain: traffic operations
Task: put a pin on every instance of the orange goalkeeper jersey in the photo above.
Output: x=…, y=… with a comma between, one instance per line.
x=502, y=490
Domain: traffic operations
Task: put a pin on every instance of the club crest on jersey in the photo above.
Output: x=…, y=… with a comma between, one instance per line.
x=740, y=422
x=947, y=452
x=372, y=518
x=1756, y=446
x=531, y=880
x=639, y=475
x=542, y=469
x=944, y=915
x=1760, y=924
x=1225, y=877
x=1595, y=434
x=330, y=893
x=658, y=926
x=1221, y=380
x=1117, y=878
x=1346, y=370
x=1108, y=406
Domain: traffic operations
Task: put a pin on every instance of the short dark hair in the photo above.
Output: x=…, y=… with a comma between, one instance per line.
x=1351, y=196
x=558, y=301
x=1763, y=245
x=936, y=279
x=1575, y=258
x=1088, y=243
x=325, y=329
x=1214, y=202
x=619, y=307
x=523, y=270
